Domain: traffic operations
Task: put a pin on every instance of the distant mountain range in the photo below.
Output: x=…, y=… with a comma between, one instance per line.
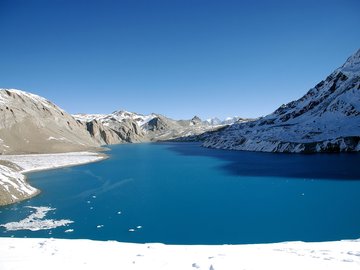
x=325, y=119
x=123, y=126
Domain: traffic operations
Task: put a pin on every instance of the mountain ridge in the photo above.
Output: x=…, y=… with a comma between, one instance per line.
x=125, y=126
x=325, y=119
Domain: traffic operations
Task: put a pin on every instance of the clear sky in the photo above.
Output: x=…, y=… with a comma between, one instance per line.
x=175, y=57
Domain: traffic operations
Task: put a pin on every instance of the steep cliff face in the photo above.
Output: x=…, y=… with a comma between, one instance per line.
x=111, y=128
x=100, y=133
x=326, y=119
x=32, y=124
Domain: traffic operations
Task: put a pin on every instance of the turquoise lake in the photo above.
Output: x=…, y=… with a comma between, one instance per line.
x=181, y=193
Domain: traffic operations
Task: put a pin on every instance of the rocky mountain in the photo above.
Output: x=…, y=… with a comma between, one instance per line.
x=32, y=124
x=123, y=126
x=325, y=119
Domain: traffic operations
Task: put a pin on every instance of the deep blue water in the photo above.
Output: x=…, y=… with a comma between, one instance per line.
x=181, y=193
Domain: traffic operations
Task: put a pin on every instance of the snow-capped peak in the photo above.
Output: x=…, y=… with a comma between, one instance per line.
x=352, y=65
x=140, y=119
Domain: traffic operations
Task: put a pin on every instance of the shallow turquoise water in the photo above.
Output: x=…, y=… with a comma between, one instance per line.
x=181, y=193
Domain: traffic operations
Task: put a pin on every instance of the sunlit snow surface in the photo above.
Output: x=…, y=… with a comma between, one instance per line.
x=36, y=221
x=50, y=161
x=37, y=253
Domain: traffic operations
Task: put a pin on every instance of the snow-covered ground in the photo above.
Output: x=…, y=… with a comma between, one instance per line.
x=13, y=184
x=49, y=161
x=17, y=253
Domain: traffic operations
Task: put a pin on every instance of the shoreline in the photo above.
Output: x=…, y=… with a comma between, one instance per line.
x=14, y=186
x=42, y=163
x=46, y=253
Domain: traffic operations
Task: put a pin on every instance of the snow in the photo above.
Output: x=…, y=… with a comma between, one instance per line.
x=38, y=254
x=352, y=64
x=57, y=139
x=88, y=117
x=35, y=221
x=227, y=121
x=49, y=161
x=119, y=116
x=13, y=180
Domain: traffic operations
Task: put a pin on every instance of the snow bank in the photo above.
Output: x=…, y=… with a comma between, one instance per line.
x=50, y=161
x=63, y=254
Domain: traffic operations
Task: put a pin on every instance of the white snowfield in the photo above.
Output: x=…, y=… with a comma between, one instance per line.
x=13, y=184
x=38, y=254
x=38, y=162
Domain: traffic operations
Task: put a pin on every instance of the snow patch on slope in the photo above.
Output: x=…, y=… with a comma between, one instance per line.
x=15, y=183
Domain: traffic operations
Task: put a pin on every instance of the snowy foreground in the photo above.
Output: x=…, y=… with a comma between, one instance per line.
x=21, y=253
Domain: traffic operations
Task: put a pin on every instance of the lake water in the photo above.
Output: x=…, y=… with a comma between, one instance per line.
x=181, y=193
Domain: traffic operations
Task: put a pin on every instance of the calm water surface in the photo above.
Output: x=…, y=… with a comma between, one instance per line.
x=180, y=193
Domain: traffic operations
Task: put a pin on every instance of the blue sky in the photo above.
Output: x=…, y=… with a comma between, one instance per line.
x=175, y=57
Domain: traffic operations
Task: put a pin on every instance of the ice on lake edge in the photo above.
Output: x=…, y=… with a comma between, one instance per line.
x=35, y=221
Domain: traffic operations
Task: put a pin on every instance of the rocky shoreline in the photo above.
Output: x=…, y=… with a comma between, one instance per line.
x=13, y=182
